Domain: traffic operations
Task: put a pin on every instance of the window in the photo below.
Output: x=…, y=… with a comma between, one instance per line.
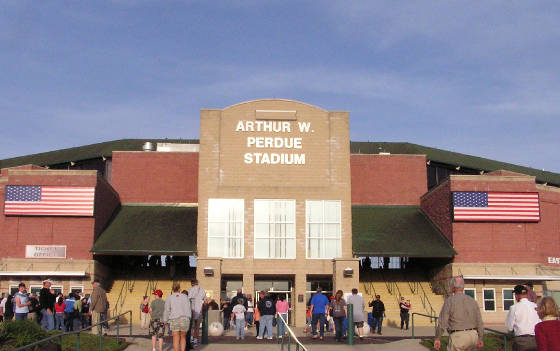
x=377, y=262
x=471, y=292
x=57, y=290
x=275, y=229
x=13, y=289
x=394, y=262
x=322, y=230
x=508, y=299
x=77, y=289
x=225, y=227
x=35, y=289
x=489, y=299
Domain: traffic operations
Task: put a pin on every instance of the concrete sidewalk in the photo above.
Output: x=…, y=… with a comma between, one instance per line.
x=392, y=339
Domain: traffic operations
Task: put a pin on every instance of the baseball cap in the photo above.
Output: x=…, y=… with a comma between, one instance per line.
x=158, y=293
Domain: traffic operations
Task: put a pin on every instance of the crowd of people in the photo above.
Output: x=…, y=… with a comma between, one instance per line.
x=49, y=309
x=533, y=320
x=179, y=314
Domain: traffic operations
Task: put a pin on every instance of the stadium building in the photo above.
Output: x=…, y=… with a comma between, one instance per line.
x=274, y=196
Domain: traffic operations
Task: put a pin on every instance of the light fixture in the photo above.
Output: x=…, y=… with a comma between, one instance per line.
x=428, y=162
x=348, y=272
x=104, y=158
x=72, y=163
x=481, y=172
x=208, y=271
x=458, y=167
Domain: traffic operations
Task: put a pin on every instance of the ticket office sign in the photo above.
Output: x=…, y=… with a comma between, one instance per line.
x=45, y=251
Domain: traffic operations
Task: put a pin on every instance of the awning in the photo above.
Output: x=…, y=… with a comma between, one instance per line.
x=525, y=278
x=398, y=231
x=149, y=230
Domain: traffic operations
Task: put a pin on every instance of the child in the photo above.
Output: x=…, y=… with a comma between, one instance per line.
x=238, y=313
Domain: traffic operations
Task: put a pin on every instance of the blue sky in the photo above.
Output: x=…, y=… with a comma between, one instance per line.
x=480, y=78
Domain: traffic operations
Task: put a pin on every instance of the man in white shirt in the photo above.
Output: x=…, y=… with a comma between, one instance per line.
x=197, y=295
x=2, y=306
x=521, y=319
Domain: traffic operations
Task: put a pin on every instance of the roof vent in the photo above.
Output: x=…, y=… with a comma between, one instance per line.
x=148, y=146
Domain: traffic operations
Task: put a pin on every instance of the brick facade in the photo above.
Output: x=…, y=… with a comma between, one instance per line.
x=388, y=179
x=155, y=177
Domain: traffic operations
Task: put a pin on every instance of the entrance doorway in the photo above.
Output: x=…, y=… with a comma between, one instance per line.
x=275, y=289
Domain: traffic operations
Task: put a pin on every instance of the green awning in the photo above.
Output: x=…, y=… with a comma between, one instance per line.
x=402, y=231
x=149, y=230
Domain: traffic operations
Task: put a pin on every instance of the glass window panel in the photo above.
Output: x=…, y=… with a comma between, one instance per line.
x=332, y=230
x=470, y=292
x=262, y=230
x=313, y=248
x=507, y=304
x=261, y=248
x=274, y=221
x=488, y=294
x=332, y=211
x=332, y=248
x=261, y=211
x=216, y=229
x=314, y=211
x=315, y=230
x=489, y=305
x=215, y=247
x=508, y=294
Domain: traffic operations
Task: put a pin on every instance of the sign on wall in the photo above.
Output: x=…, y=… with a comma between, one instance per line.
x=45, y=251
x=283, y=144
x=481, y=206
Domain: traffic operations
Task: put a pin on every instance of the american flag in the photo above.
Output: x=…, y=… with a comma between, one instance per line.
x=35, y=200
x=492, y=206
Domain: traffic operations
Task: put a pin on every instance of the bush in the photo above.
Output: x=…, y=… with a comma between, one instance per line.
x=492, y=342
x=14, y=334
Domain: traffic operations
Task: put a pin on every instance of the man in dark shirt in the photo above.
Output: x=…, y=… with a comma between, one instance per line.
x=239, y=295
x=268, y=310
x=46, y=300
x=377, y=312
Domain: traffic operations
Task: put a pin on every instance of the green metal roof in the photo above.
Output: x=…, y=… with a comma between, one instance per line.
x=86, y=152
x=403, y=231
x=147, y=229
x=454, y=159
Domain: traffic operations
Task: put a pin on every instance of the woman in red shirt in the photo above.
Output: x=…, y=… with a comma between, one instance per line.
x=547, y=332
x=59, y=307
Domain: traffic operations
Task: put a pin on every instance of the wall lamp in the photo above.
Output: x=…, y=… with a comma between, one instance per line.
x=348, y=272
x=208, y=271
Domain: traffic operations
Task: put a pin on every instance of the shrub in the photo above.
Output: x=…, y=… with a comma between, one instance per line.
x=14, y=334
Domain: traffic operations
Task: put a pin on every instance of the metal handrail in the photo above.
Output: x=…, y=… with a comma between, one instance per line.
x=505, y=335
x=100, y=333
x=292, y=335
x=425, y=315
x=424, y=299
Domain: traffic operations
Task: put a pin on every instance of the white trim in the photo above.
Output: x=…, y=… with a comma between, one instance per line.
x=473, y=289
x=44, y=273
x=503, y=299
x=485, y=299
x=511, y=277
